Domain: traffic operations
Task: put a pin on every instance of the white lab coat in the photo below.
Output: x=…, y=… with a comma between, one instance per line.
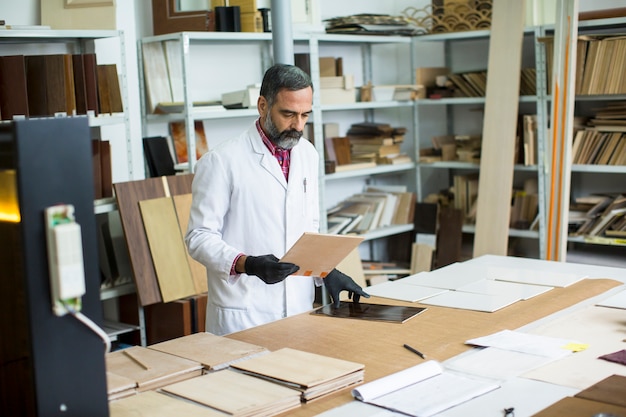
x=242, y=203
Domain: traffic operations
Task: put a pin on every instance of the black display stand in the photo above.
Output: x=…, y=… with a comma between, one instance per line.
x=49, y=365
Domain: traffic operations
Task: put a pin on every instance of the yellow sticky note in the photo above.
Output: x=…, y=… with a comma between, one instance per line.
x=576, y=347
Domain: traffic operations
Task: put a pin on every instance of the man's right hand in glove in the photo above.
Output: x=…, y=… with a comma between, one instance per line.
x=268, y=268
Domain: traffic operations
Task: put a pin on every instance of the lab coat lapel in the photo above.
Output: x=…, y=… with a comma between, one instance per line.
x=266, y=159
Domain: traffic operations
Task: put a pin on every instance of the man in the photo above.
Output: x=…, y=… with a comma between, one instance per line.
x=253, y=197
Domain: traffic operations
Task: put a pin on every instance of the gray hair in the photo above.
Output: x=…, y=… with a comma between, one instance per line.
x=283, y=76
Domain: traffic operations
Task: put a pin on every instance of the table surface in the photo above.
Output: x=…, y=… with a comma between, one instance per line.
x=439, y=333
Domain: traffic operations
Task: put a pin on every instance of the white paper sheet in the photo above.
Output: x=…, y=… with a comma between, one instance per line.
x=615, y=301
x=398, y=290
x=472, y=301
x=495, y=363
x=526, y=396
x=551, y=347
x=423, y=390
x=449, y=277
x=602, y=328
x=493, y=287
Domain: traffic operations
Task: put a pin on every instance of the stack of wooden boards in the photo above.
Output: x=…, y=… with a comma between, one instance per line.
x=374, y=208
x=364, y=145
x=45, y=85
x=215, y=375
x=154, y=214
x=600, y=64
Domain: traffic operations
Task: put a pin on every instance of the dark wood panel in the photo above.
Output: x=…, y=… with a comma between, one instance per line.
x=128, y=194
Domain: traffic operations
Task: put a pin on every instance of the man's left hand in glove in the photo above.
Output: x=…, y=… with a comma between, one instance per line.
x=337, y=281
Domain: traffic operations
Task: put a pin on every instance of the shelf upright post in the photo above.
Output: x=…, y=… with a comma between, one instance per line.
x=560, y=150
x=542, y=132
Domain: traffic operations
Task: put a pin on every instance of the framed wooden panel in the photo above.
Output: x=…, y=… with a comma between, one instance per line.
x=166, y=19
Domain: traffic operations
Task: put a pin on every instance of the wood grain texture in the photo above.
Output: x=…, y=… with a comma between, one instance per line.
x=155, y=404
x=169, y=255
x=449, y=236
x=328, y=251
x=179, y=184
x=499, y=129
x=182, y=203
x=128, y=194
x=212, y=351
x=149, y=368
x=13, y=94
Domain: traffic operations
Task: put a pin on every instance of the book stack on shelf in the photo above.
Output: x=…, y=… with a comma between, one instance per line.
x=372, y=209
x=465, y=190
x=474, y=83
x=465, y=148
x=598, y=215
x=600, y=64
x=377, y=142
x=603, y=141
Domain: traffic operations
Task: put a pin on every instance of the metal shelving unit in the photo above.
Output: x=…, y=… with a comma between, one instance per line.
x=449, y=104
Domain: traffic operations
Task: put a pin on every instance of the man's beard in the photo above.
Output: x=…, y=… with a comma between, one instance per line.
x=286, y=139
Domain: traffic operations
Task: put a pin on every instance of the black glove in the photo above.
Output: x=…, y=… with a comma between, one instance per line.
x=337, y=281
x=268, y=268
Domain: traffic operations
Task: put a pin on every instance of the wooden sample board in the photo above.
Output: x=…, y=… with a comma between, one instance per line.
x=314, y=375
x=212, y=351
x=237, y=394
x=150, y=369
x=499, y=128
x=167, y=248
x=317, y=254
x=128, y=195
x=154, y=404
x=182, y=204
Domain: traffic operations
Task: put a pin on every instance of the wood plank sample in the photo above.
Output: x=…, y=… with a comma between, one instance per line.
x=45, y=81
x=449, y=237
x=106, y=169
x=128, y=194
x=104, y=99
x=313, y=374
x=155, y=75
x=13, y=94
x=611, y=390
x=237, y=394
x=329, y=251
x=168, y=251
x=212, y=351
x=90, y=64
x=119, y=386
x=580, y=407
x=154, y=404
x=182, y=203
x=180, y=184
x=165, y=321
x=499, y=129
x=150, y=369
x=80, y=87
x=70, y=94
x=113, y=85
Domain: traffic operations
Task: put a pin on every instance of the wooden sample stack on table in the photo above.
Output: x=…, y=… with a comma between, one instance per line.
x=314, y=375
x=149, y=369
x=213, y=352
x=237, y=394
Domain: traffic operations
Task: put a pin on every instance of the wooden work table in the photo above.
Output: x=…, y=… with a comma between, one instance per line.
x=438, y=332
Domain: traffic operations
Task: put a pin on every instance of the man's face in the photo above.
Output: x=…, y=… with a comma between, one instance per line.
x=284, y=121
